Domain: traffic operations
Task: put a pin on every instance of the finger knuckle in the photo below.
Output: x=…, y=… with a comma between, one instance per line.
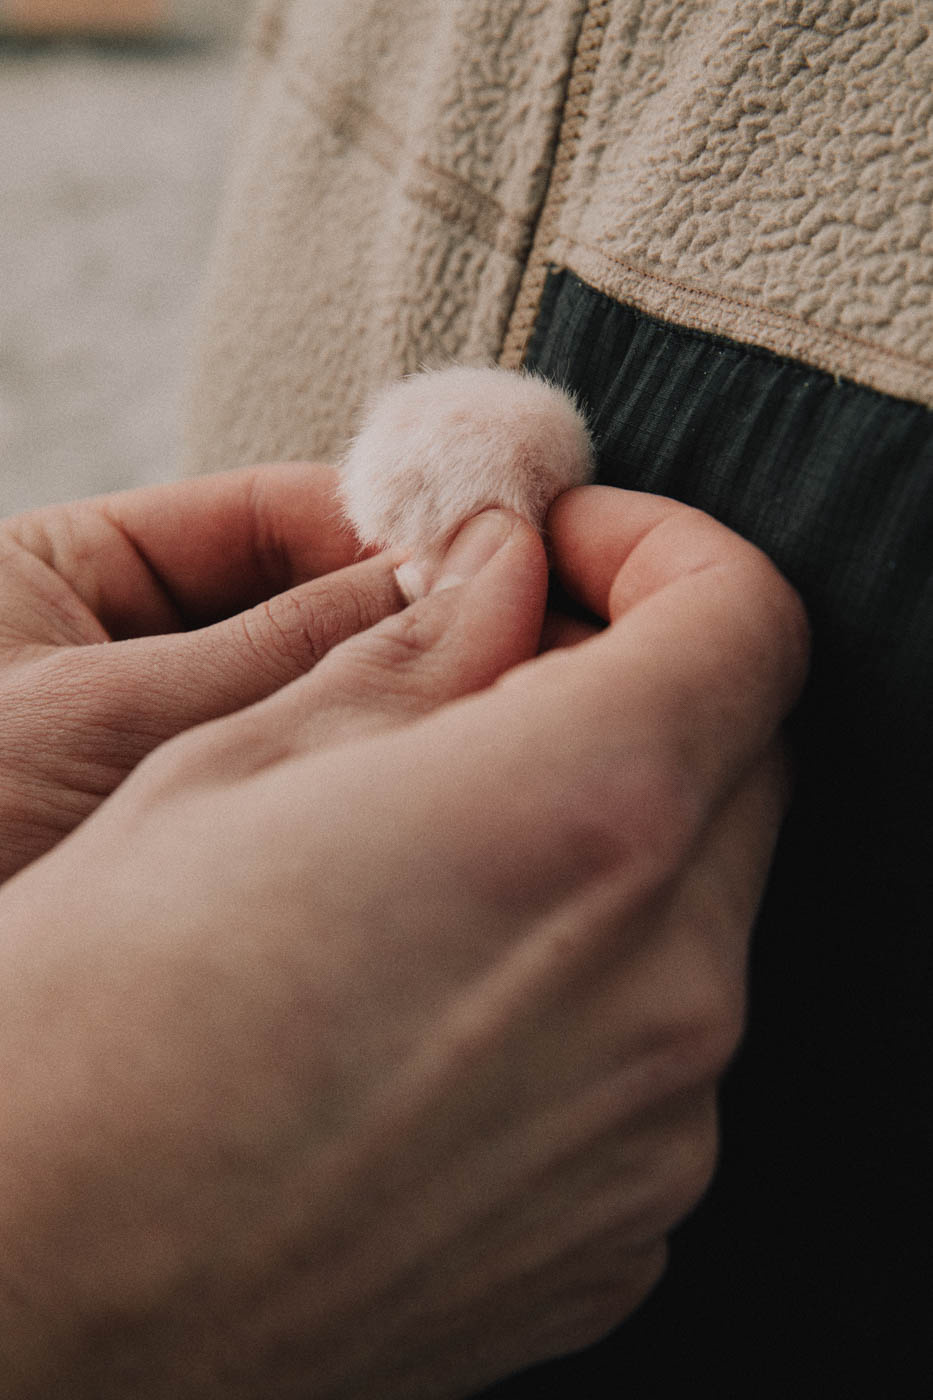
x=289, y=634
x=713, y=1021
x=621, y=1283
x=706, y=1028
x=588, y=1325
x=633, y=818
x=785, y=626
x=663, y=816
x=405, y=637
x=683, y=1160
x=793, y=619
x=696, y=1018
x=387, y=659
x=692, y=1162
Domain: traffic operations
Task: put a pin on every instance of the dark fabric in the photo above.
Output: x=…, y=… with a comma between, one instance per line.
x=807, y=1269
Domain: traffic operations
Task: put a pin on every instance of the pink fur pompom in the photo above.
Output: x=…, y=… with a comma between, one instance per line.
x=440, y=446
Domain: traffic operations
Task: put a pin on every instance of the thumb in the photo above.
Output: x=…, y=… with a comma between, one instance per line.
x=482, y=616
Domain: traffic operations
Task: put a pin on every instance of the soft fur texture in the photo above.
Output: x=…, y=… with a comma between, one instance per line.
x=440, y=446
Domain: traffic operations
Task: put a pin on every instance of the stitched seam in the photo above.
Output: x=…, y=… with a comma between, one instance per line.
x=451, y=197
x=721, y=298
x=366, y=120
x=509, y=235
x=270, y=28
x=594, y=22
x=737, y=348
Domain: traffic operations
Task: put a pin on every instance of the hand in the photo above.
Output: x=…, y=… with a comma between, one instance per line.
x=140, y=570
x=366, y=1041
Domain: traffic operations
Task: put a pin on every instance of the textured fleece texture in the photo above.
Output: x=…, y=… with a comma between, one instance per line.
x=758, y=168
x=765, y=170
x=393, y=163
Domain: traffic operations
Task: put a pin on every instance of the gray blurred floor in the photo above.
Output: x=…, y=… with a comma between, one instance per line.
x=110, y=169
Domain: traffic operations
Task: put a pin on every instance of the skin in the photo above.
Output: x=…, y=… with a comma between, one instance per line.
x=366, y=1039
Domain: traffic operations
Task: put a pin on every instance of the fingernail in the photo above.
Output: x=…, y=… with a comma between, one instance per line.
x=410, y=579
x=474, y=546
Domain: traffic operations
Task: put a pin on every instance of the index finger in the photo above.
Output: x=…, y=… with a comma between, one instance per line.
x=192, y=552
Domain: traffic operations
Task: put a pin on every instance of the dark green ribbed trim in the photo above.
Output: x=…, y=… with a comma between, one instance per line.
x=798, y=1275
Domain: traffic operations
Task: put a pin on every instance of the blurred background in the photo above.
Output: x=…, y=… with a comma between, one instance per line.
x=115, y=121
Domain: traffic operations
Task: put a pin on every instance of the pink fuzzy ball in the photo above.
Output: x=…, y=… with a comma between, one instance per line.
x=443, y=445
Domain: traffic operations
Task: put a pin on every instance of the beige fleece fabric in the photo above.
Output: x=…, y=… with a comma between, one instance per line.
x=765, y=170
x=762, y=169
x=393, y=163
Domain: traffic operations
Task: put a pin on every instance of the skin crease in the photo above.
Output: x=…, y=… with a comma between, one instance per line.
x=366, y=1039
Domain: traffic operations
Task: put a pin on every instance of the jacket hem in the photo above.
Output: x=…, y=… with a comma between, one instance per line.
x=837, y=352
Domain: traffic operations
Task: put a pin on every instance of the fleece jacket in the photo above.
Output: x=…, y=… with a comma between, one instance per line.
x=406, y=173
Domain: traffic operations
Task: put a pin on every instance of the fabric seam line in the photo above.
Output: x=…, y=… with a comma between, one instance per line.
x=513, y=231
x=729, y=344
x=520, y=323
x=784, y=317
